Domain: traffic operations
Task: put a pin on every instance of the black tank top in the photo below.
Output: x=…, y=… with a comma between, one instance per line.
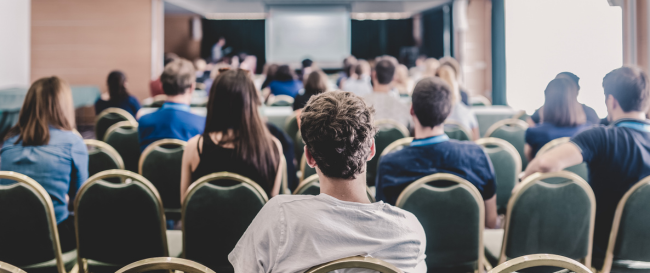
x=215, y=158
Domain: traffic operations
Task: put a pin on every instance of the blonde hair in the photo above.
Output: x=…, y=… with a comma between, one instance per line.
x=430, y=67
x=48, y=103
x=447, y=74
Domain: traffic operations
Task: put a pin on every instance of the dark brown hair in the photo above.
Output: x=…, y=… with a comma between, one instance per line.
x=233, y=104
x=337, y=128
x=284, y=73
x=384, y=71
x=316, y=83
x=177, y=76
x=629, y=86
x=431, y=101
x=48, y=103
x=561, y=107
x=116, y=86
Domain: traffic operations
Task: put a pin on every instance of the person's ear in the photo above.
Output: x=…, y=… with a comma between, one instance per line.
x=310, y=160
x=373, y=150
x=412, y=111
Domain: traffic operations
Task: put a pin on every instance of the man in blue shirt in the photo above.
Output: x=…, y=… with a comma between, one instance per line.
x=617, y=155
x=173, y=119
x=433, y=152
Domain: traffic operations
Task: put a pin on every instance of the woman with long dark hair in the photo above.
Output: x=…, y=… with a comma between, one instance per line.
x=235, y=138
x=285, y=82
x=118, y=95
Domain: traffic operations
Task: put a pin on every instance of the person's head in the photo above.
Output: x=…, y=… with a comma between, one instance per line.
x=420, y=60
x=284, y=73
x=117, y=86
x=362, y=68
x=48, y=103
x=200, y=64
x=178, y=78
x=401, y=74
x=337, y=128
x=384, y=72
x=221, y=41
x=349, y=60
x=430, y=67
x=233, y=106
x=561, y=108
x=431, y=102
x=626, y=90
x=170, y=57
x=447, y=74
x=306, y=63
x=316, y=83
x=568, y=75
x=270, y=70
x=454, y=64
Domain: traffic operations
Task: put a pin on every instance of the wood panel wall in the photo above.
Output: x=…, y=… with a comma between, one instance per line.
x=178, y=36
x=478, y=49
x=82, y=41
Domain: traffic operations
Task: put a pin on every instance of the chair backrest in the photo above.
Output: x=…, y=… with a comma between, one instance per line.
x=309, y=186
x=528, y=261
x=118, y=224
x=7, y=268
x=452, y=213
x=298, y=146
x=550, y=213
x=217, y=210
x=513, y=131
x=123, y=137
x=158, y=100
x=305, y=170
x=165, y=263
x=629, y=239
x=291, y=126
x=28, y=231
x=280, y=100
x=479, y=101
x=580, y=169
x=456, y=131
x=284, y=188
x=102, y=156
x=521, y=115
x=355, y=262
x=108, y=117
x=388, y=131
x=160, y=163
x=507, y=166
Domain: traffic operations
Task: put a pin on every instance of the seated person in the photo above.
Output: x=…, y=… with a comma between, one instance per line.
x=44, y=147
x=173, y=119
x=118, y=96
x=285, y=82
x=293, y=233
x=433, y=152
x=589, y=112
x=460, y=112
x=359, y=81
x=235, y=139
x=563, y=117
x=387, y=105
x=616, y=155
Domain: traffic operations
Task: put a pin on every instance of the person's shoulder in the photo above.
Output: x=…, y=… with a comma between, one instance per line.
x=282, y=200
x=406, y=217
x=65, y=136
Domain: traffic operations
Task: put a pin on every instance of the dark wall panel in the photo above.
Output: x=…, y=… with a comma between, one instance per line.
x=372, y=38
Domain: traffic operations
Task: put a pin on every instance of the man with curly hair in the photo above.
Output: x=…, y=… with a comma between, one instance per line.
x=293, y=233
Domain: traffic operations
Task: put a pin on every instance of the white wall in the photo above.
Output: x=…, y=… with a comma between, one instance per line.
x=14, y=43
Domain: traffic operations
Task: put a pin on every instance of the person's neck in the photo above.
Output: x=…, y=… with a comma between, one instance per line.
x=629, y=115
x=181, y=99
x=381, y=88
x=350, y=190
x=427, y=132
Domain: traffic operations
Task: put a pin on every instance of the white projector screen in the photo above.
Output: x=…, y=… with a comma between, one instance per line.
x=320, y=33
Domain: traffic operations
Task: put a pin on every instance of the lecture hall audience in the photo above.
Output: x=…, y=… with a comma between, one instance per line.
x=118, y=96
x=174, y=119
x=235, y=139
x=386, y=103
x=616, y=154
x=433, y=152
x=292, y=233
x=44, y=146
x=460, y=112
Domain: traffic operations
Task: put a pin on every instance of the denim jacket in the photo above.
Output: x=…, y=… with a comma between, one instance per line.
x=60, y=166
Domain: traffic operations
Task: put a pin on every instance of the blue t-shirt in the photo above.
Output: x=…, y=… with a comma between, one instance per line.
x=130, y=105
x=537, y=136
x=289, y=88
x=60, y=166
x=172, y=120
x=434, y=155
x=618, y=156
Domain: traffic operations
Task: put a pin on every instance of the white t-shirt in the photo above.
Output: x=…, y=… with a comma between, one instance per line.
x=293, y=233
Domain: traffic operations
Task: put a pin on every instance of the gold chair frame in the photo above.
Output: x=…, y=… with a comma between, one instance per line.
x=479, y=98
x=397, y=143
x=410, y=189
x=303, y=166
x=282, y=167
x=552, y=144
x=460, y=126
x=7, y=268
x=158, y=98
x=277, y=98
x=394, y=124
x=123, y=175
x=609, y=254
x=108, y=149
x=531, y=180
x=154, y=145
x=527, y=261
x=118, y=125
x=355, y=262
x=519, y=114
x=113, y=110
x=49, y=212
x=165, y=263
x=506, y=122
x=484, y=142
x=305, y=182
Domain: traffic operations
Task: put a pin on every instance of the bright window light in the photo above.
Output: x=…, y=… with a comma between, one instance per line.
x=546, y=37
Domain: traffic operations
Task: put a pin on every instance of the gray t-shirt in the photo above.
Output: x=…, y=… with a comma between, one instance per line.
x=462, y=114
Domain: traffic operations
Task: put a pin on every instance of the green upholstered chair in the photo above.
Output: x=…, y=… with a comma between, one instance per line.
x=373, y=264
x=298, y=147
x=165, y=263
x=521, y=115
x=280, y=100
x=452, y=213
x=284, y=188
x=118, y=224
x=548, y=213
x=160, y=163
x=305, y=170
x=291, y=126
x=513, y=131
x=457, y=131
x=123, y=137
x=388, y=131
x=108, y=117
x=581, y=169
x=479, y=101
x=101, y=157
x=28, y=234
x=217, y=210
x=7, y=268
x=507, y=166
x=629, y=242
x=536, y=260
